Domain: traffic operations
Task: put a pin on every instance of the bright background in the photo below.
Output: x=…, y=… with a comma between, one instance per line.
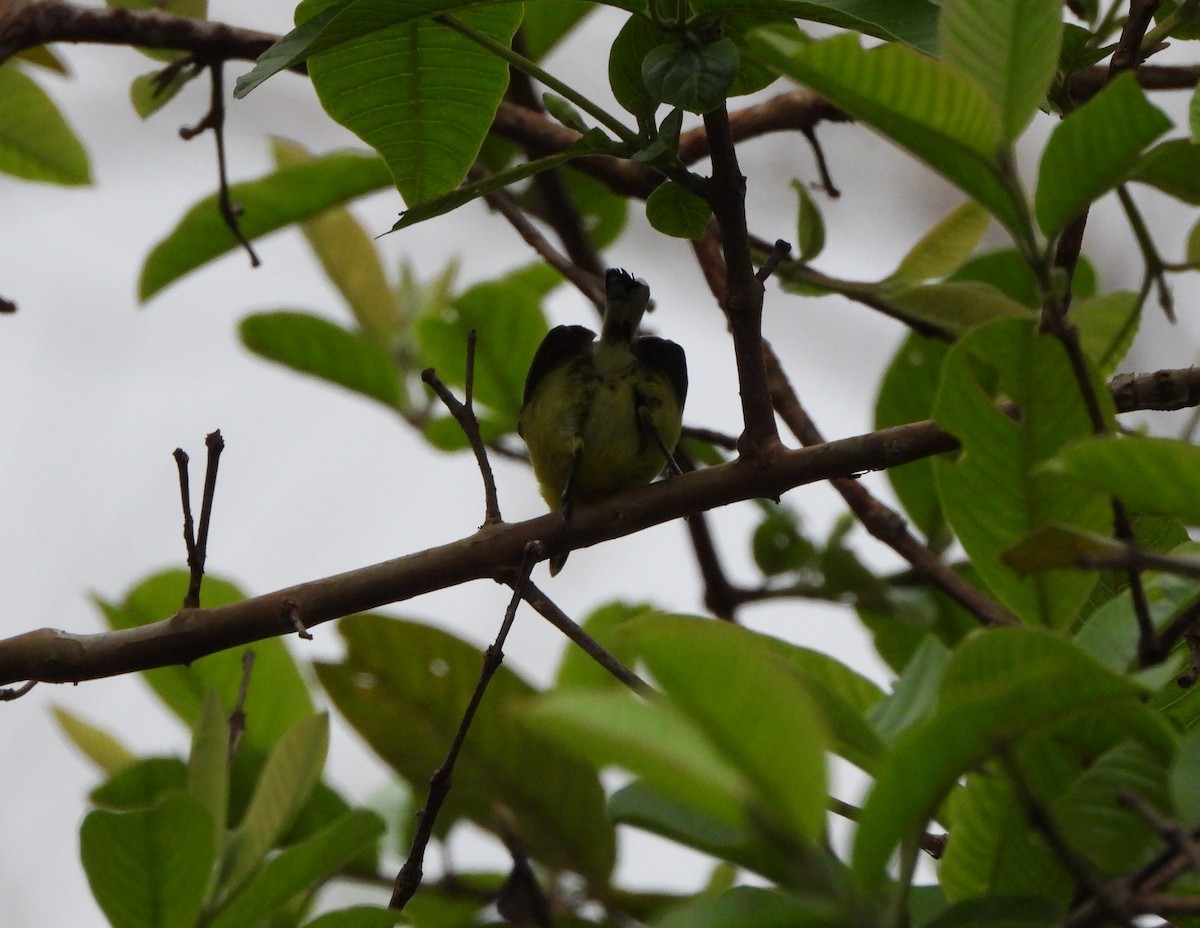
x=96, y=391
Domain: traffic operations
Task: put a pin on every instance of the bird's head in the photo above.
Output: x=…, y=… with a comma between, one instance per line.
x=626, y=298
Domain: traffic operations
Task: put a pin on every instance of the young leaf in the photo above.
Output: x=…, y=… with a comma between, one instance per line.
x=915, y=693
x=637, y=38
x=99, y=746
x=141, y=784
x=324, y=349
x=35, y=141
x=299, y=868
x=956, y=308
x=944, y=248
x=347, y=255
x=1094, y=149
x=925, y=106
x=292, y=770
x=810, y=227
x=1000, y=456
x=404, y=686
x=1107, y=324
x=208, y=765
x=1010, y=48
x=1148, y=474
x=913, y=22
x=149, y=868
x=1173, y=167
x=674, y=210
x=268, y=204
x=694, y=78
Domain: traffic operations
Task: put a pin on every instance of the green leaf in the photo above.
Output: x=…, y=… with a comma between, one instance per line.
x=1173, y=167
x=1010, y=48
x=780, y=545
x=269, y=203
x=1148, y=474
x=404, y=686
x=674, y=210
x=956, y=308
x=997, y=688
x=603, y=212
x=925, y=106
x=277, y=695
x=323, y=349
x=149, y=868
x=509, y=324
x=546, y=24
x=906, y=395
x=1058, y=547
x=637, y=38
x=915, y=693
x=1094, y=149
x=149, y=94
x=1185, y=779
x=754, y=907
x=97, y=745
x=578, y=670
x=913, y=22
x=810, y=227
x=761, y=720
x=944, y=248
x=208, y=765
x=418, y=92
x=141, y=784
x=694, y=78
x=35, y=141
x=1000, y=457
x=1107, y=324
x=299, y=868
x=292, y=770
x=360, y=916
x=1194, y=115
x=347, y=255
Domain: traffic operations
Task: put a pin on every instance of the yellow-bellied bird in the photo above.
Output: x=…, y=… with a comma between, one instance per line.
x=602, y=416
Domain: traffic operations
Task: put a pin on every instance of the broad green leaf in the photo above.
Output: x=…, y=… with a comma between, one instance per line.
x=913, y=22
x=1000, y=456
x=149, y=868
x=208, y=764
x=35, y=141
x=944, y=248
x=915, y=693
x=925, y=106
x=1107, y=324
x=277, y=695
x=780, y=545
x=268, y=204
x=755, y=907
x=1148, y=474
x=761, y=719
x=141, y=784
x=1010, y=48
x=292, y=770
x=546, y=24
x=1185, y=779
x=956, y=308
x=326, y=350
x=1058, y=547
x=362, y=916
x=97, y=745
x=347, y=255
x=810, y=227
x=694, y=78
x=1094, y=149
x=998, y=687
x=906, y=395
x=1110, y=633
x=299, y=868
x=637, y=38
x=149, y=94
x=1194, y=115
x=507, y=317
x=653, y=740
x=578, y=670
x=1009, y=272
x=674, y=210
x=642, y=807
x=419, y=93
x=1173, y=167
x=404, y=686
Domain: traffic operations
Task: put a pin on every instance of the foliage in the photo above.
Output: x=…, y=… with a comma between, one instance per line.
x=1058, y=752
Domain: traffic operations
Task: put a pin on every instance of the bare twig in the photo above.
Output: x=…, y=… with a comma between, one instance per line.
x=197, y=544
x=778, y=253
x=464, y=415
x=237, y=718
x=189, y=531
x=7, y=306
x=16, y=692
x=409, y=878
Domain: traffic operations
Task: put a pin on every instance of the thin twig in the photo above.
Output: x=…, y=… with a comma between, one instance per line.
x=237, y=718
x=409, y=878
x=7, y=306
x=214, y=119
x=1171, y=831
x=198, y=548
x=189, y=532
x=781, y=250
x=16, y=692
x=464, y=415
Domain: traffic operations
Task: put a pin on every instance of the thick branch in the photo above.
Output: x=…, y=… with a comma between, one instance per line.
x=55, y=656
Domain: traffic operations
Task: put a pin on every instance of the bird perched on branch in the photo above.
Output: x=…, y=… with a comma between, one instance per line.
x=602, y=416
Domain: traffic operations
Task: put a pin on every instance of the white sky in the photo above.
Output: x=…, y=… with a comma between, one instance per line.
x=95, y=393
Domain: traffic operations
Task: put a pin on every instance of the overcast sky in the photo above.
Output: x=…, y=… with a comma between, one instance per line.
x=96, y=392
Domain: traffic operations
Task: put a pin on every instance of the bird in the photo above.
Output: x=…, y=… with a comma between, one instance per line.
x=602, y=416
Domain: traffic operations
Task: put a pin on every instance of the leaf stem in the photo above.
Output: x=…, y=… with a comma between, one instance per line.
x=521, y=63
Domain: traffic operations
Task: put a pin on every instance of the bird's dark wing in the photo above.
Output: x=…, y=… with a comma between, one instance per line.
x=561, y=344
x=668, y=357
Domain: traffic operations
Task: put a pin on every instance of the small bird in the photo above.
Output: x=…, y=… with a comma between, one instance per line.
x=602, y=416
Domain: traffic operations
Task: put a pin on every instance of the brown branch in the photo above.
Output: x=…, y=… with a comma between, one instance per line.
x=56, y=656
